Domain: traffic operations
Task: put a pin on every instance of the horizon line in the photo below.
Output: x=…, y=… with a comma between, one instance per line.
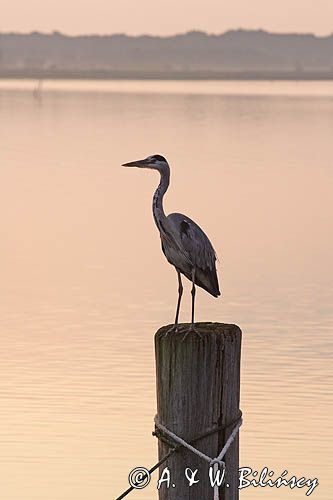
x=149, y=35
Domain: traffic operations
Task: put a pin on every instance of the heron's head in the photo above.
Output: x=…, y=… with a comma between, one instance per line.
x=155, y=162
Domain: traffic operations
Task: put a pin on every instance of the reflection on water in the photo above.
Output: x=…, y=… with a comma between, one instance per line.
x=85, y=286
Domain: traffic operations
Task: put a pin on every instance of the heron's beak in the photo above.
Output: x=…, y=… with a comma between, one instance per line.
x=137, y=163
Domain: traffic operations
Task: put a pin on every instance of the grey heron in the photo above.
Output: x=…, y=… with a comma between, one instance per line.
x=184, y=243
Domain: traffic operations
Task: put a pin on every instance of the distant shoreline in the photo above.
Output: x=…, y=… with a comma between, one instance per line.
x=66, y=74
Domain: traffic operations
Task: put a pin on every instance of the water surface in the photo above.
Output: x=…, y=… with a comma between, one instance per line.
x=84, y=284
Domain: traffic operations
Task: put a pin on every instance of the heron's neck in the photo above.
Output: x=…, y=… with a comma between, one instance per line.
x=158, y=212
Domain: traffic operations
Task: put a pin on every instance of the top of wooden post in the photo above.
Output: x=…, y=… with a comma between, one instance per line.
x=228, y=331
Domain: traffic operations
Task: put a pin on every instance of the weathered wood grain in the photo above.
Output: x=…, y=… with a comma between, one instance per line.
x=198, y=387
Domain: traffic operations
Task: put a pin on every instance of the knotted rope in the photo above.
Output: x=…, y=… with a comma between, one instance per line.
x=215, y=462
x=175, y=443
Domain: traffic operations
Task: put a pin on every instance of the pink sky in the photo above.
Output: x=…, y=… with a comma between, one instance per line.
x=166, y=16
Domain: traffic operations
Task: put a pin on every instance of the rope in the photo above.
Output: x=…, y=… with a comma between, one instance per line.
x=160, y=434
x=172, y=450
x=156, y=466
x=229, y=441
x=216, y=488
x=215, y=462
x=223, y=452
x=181, y=441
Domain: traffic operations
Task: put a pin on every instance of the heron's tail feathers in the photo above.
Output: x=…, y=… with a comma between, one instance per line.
x=207, y=279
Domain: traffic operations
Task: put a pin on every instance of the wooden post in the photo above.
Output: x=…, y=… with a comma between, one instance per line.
x=198, y=388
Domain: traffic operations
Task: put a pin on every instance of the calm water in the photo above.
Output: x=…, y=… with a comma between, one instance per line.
x=84, y=284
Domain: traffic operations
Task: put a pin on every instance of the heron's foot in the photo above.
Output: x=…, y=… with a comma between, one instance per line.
x=174, y=329
x=192, y=330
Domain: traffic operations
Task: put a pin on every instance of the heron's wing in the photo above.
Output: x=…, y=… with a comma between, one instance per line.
x=199, y=249
x=194, y=241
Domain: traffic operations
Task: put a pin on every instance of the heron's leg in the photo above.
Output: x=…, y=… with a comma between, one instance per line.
x=180, y=293
x=175, y=327
x=193, y=298
x=192, y=328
